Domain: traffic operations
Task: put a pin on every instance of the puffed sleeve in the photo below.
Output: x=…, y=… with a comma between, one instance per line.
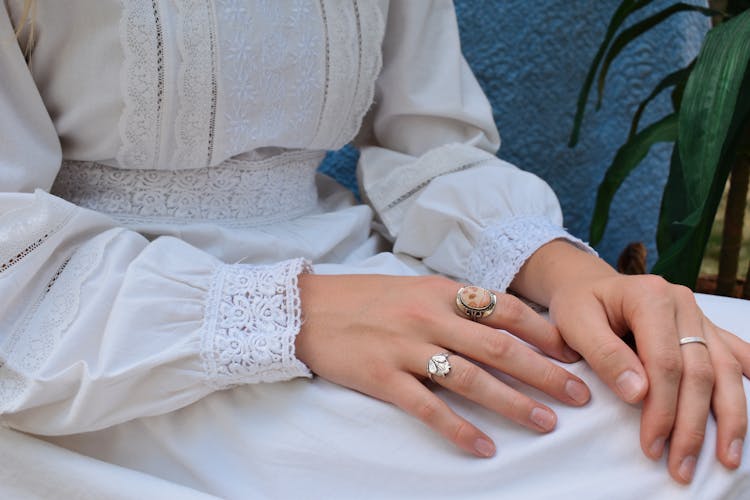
x=99, y=325
x=427, y=163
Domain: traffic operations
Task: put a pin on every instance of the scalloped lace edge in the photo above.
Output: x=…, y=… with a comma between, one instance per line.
x=253, y=316
x=504, y=247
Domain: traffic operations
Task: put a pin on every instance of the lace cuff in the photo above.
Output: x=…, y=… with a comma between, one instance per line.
x=253, y=316
x=503, y=248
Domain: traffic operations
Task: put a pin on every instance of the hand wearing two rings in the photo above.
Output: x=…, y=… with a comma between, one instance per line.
x=385, y=335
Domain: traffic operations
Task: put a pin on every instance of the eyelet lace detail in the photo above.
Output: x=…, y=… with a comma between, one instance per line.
x=503, y=248
x=253, y=316
x=297, y=74
x=353, y=61
x=142, y=82
x=392, y=194
x=196, y=84
x=43, y=326
x=24, y=230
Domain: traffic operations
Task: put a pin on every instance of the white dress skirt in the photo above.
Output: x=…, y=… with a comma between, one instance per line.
x=159, y=199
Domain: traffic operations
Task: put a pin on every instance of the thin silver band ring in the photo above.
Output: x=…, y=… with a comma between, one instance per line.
x=690, y=340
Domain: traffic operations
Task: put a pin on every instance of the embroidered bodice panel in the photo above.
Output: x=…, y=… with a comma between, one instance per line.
x=201, y=81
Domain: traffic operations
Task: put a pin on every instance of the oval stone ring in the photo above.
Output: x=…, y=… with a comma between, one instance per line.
x=475, y=302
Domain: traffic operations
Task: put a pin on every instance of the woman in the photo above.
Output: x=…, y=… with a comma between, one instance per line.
x=179, y=142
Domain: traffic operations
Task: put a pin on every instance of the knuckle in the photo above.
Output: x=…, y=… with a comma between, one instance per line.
x=734, y=420
x=552, y=376
x=662, y=418
x=420, y=316
x=693, y=438
x=518, y=407
x=669, y=365
x=684, y=294
x=654, y=284
x=437, y=282
x=466, y=379
x=428, y=411
x=379, y=371
x=606, y=352
x=459, y=429
x=379, y=366
x=702, y=374
x=511, y=309
x=731, y=367
x=496, y=345
x=742, y=424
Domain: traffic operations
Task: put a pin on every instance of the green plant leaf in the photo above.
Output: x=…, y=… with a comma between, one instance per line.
x=708, y=105
x=673, y=206
x=625, y=9
x=673, y=79
x=676, y=95
x=626, y=159
x=633, y=32
x=715, y=107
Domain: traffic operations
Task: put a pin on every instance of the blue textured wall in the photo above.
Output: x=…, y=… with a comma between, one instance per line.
x=531, y=57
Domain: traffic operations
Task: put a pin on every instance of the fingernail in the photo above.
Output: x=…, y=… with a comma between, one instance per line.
x=570, y=354
x=543, y=418
x=687, y=468
x=735, y=451
x=484, y=447
x=629, y=384
x=577, y=391
x=657, y=447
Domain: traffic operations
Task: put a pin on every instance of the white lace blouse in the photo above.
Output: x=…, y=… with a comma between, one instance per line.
x=179, y=140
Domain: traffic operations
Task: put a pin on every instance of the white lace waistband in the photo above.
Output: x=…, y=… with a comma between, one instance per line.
x=241, y=191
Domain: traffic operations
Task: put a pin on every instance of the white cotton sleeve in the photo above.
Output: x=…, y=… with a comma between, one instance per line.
x=99, y=325
x=427, y=163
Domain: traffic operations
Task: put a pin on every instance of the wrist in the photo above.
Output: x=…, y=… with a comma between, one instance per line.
x=555, y=266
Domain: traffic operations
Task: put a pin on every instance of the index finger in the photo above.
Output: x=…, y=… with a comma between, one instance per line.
x=590, y=334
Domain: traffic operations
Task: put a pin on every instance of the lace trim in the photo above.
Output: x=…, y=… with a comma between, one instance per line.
x=24, y=230
x=370, y=32
x=241, y=192
x=353, y=62
x=503, y=248
x=253, y=316
x=390, y=194
x=196, y=84
x=31, y=344
x=142, y=82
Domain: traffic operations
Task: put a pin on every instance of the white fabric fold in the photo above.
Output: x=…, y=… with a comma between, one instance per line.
x=101, y=326
x=428, y=166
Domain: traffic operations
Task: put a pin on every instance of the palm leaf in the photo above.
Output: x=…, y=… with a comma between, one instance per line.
x=626, y=159
x=715, y=106
x=709, y=103
x=625, y=9
x=633, y=32
x=671, y=80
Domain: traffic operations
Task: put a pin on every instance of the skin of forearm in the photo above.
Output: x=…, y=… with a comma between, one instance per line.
x=555, y=266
